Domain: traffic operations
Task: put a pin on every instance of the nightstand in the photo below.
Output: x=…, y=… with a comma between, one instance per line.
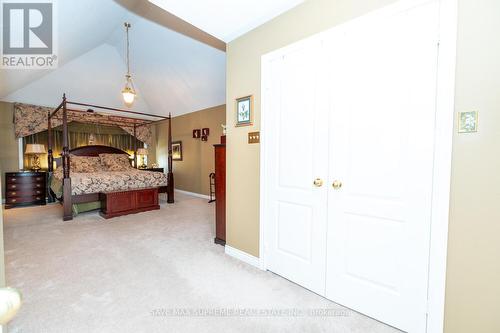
x=154, y=170
x=25, y=189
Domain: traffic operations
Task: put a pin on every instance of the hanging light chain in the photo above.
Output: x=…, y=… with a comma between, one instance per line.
x=128, y=92
x=127, y=27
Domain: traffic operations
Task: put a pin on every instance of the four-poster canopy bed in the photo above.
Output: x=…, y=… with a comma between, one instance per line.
x=122, y=180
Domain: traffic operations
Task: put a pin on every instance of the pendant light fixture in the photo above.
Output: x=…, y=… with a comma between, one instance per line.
x=128, y=92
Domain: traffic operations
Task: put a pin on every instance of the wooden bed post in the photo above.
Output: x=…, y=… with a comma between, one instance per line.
x=67, y=204
x=50, y=157
x=135, y=145
x=170, y=175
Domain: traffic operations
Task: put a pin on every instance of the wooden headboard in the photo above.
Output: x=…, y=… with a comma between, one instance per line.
x=91, y=151
x=96, y=150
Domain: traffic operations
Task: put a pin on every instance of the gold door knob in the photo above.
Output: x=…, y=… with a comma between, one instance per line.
x=337, y=184
x=318, y=182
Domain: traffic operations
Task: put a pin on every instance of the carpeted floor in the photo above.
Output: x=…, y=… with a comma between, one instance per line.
x=153, y=272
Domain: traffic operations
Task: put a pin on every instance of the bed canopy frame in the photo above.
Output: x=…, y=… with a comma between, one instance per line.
x=120, y=120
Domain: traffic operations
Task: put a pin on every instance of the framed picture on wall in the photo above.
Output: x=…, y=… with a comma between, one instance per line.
x=467, y=122
x=244, y=111
x=177, y=151
x=196, y=134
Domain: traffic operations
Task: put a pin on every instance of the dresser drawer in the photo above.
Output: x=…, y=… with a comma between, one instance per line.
x=25, y=193
x=24, y=186
x=24, y=200
x=25, y=179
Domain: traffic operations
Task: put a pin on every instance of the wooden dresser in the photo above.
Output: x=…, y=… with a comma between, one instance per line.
x=25, y=189
x=220, y=192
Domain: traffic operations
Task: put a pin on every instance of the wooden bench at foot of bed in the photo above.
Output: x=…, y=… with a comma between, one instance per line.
x=121, y=203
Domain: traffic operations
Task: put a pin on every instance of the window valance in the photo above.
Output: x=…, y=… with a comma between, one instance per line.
x=31, y=119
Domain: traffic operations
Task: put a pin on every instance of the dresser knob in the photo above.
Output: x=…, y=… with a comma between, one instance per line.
x=38, y=192
x=38, y=198
x=13, y=200
x=13, y=179
x=14, y=193
x=14, y=186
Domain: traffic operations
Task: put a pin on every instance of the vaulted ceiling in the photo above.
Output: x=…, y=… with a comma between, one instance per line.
x=226, y=19
x=178, y=58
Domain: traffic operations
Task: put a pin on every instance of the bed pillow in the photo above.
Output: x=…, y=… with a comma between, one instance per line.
x=82, y=164
x=115, y=162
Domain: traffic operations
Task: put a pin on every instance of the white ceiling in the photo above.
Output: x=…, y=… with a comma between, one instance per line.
x=87, y=75
x=83, y=25
x=173, y=73
x=226, y=19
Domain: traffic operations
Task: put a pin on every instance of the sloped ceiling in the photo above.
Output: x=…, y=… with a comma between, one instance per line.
x=178, y=59
x=175, y=74
x=81, y=78
x=226, y=19
x=172, y=73
x=83, y=25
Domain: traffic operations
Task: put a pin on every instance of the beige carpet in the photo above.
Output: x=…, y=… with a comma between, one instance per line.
x=153, y=272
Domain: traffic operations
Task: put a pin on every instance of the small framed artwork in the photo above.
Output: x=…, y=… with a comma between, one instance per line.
x=205, y=131
x=244, y=111
x=467, y=122
x=196, y=134
x=177, y=151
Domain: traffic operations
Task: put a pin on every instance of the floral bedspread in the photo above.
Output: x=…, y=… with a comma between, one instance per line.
x=109, y=181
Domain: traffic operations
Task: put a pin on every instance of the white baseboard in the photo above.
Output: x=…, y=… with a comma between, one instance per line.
x=243, y=256
x=198, y=195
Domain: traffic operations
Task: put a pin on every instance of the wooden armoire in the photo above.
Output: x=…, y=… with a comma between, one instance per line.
x=220, y=192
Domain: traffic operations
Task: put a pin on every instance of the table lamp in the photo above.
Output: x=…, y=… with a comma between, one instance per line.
x=143, y=152
x=35, y=150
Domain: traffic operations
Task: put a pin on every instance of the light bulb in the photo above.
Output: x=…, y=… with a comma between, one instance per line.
x=128, y=95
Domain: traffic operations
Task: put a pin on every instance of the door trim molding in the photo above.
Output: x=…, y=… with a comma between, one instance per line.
x=445, y=110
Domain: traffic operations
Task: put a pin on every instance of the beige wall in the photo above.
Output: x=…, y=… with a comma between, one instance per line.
x=9, y=158
x=191, y=174
x=9, y=153
x=473, y=275
x=243, y=78
x=473, y=265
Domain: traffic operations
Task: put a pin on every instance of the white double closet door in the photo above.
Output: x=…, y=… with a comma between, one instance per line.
x=349, y=122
